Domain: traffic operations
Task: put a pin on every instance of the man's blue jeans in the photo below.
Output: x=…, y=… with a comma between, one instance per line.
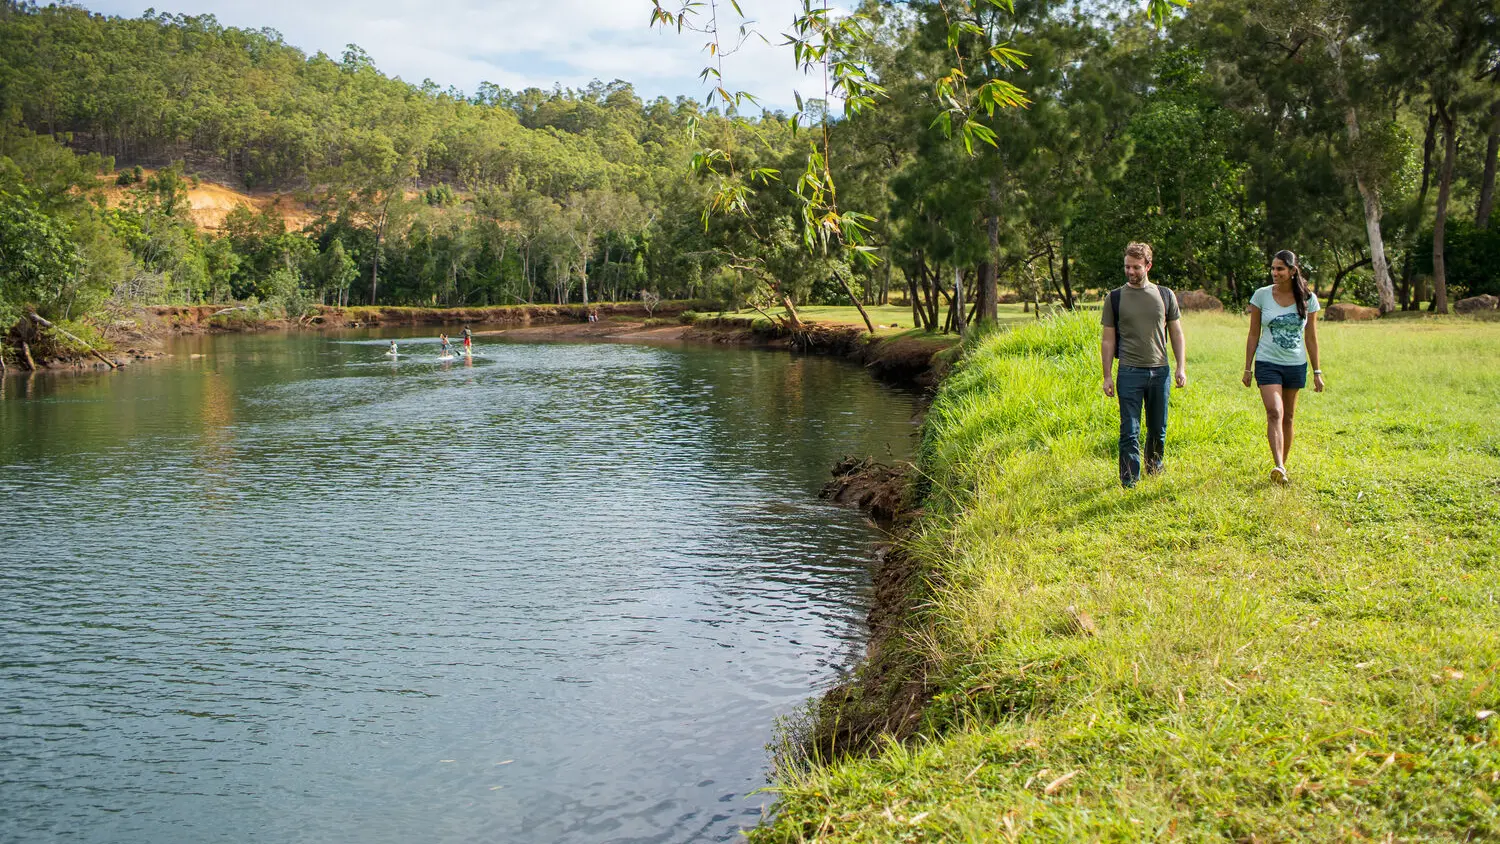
x=1136, y=386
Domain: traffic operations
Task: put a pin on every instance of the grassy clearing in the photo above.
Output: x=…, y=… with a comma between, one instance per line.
x=1208, y=656
x=890, y=320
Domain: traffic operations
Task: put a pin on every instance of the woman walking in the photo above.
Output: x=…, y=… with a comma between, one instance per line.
x=1283, y=339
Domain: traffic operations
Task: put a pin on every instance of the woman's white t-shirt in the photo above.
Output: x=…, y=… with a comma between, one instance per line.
x=1281, y=329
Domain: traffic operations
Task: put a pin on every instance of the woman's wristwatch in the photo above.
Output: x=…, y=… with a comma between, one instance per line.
x=1317, y=372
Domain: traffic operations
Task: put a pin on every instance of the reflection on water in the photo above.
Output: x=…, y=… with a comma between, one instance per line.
x=294, y=590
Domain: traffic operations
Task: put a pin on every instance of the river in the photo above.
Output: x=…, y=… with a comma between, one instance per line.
x=281, y=587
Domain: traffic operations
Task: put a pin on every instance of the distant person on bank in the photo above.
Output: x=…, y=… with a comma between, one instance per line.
x=1283, y=338
x=1138, y=318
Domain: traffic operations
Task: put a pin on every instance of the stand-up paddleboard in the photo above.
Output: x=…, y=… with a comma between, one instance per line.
x=393, y=354
x=447, y=357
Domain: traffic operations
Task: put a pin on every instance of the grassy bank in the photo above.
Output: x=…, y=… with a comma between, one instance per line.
x=1206, y=657
x=889, y=320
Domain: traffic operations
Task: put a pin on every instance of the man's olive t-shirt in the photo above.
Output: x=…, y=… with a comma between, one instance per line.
x=1141, y=335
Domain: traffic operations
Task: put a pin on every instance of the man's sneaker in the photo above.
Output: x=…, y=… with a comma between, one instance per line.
x=1278, y=476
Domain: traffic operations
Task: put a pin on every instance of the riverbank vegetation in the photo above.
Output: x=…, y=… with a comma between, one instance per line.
x=1208, y=656
x=1230, y=131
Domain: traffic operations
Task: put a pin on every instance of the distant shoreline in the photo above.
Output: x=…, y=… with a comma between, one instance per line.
x=907, y=360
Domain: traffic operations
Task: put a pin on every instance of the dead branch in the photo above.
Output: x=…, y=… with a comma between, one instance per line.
x=95, y=352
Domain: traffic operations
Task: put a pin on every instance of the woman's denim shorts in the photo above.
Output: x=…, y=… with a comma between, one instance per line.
x=1288, y=377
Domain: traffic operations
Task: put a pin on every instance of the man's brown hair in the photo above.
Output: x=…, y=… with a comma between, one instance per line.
x=1139, y=250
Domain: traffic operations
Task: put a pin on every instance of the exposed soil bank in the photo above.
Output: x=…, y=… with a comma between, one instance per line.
x=902, y=359
x=889, y=689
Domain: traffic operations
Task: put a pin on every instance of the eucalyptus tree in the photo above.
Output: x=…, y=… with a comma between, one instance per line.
x=336, y=271
x=1312, y=70
x=822, y=40
x=592, y=213
x=1449, y=50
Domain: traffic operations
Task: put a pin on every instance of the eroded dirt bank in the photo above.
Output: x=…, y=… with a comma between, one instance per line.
x=889, y=688
x=918, y=361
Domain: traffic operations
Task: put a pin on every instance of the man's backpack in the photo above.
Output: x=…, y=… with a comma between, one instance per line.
x=1114, y=308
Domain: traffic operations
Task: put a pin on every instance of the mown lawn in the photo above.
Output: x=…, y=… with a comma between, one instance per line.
x=1207, y=656
x=889, y=319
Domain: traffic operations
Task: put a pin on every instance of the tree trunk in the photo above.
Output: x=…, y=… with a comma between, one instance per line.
x=1333, y=292
x=934, y=285
x=1409, y=266
x=1234, y=287
x=1067, y=281
x=791, y=311
x=986, y=275
x=1445, y=183
x=913, y=291
x=855, y=299
x=1368, y=193
x=375, y=263
x=1487, y=186
x=958, y=303
x=584, y=250
x=989, y=289
x=1058, y=284
x=1383, y=283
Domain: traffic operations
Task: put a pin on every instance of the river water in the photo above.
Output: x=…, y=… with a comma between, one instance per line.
x=285, y=588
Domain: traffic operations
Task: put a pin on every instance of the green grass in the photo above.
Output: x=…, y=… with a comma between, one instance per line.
x=890, y=320
x=1269, y=663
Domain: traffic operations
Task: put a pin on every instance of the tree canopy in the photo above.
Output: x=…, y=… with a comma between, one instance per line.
x=1362, y=136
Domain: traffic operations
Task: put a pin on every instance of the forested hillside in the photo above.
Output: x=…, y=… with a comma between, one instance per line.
x=1236, y=129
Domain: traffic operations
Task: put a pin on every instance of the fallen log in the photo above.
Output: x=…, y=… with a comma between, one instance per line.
x=26, y=352
x=95, y=352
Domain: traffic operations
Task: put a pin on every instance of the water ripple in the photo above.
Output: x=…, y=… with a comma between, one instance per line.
x=292, y=590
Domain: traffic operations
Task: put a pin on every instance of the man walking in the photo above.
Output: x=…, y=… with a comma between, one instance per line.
x=1137, y=319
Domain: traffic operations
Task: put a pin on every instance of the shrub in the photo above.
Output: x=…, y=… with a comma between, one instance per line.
x=83, y=336
x=1471, y=256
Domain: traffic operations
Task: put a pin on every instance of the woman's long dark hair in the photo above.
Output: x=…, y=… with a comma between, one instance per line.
x=1299, y=280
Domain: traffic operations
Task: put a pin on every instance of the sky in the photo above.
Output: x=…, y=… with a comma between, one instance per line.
x=518, y=44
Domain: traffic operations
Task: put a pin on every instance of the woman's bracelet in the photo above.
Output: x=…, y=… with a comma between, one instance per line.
x=1317, y=372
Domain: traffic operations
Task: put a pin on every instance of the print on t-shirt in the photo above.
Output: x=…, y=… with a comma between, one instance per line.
x=1286, y=331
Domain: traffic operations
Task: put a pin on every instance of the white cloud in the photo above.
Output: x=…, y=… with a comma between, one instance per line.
x=518, y=44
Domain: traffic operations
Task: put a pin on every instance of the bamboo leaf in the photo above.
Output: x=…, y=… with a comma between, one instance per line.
x=1159, y=10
